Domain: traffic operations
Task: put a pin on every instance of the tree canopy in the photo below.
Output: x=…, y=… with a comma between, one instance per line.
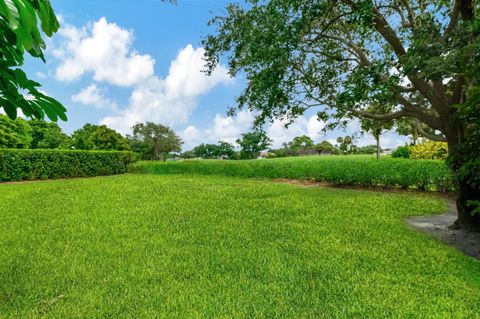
x=252, y=143
x=48, y=135
x=222, y=150
x=99, y=137
x=301, y=143
x=157, y=141
x=418, y=59
x=14, y=133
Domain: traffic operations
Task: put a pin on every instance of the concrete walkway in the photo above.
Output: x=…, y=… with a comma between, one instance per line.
x=439, y=227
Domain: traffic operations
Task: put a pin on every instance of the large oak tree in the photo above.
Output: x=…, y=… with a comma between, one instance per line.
x=419, y=59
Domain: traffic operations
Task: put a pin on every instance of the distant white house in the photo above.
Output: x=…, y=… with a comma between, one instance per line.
x=263, y=154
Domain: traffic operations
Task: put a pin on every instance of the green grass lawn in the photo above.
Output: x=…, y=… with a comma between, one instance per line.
x=133, y=246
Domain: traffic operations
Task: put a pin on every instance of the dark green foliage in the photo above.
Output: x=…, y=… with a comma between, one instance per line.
x=48, y=135
x=35, y=134
x=343, y=170
x=14, y=133
x=325, y=147
x=187, y=155
x=401, y=152
x=17, y=165
x=99, y=137
x=205, y=151
x=222, y=150
x=301, y=144
x=253, y=143
x=369, y=149
x=225, y=150
x=19, y=32
x=154, y=141
x=345, y=145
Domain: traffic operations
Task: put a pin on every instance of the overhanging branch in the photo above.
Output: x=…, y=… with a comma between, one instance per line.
x=430, y=136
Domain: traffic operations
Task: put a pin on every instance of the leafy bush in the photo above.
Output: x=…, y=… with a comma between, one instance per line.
x=343, y=170
x=16, y=165
x=401, y=152
x=429, y=150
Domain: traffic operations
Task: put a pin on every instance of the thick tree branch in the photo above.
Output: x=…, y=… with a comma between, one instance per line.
x=434, y=96
x=379, y=116
x=411, y=17
x=430, y=136
x=416, y=112
x=453, y=18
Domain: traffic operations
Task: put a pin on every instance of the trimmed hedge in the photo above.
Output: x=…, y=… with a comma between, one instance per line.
x=28, y=164
x=343, y=170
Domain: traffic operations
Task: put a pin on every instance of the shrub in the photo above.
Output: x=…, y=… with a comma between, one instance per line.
x=16, y=165
x=401, y=152
x=343, y=170
x=429, y=150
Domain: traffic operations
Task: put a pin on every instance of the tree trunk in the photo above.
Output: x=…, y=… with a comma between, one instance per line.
x=377, y=137
x=465, y=194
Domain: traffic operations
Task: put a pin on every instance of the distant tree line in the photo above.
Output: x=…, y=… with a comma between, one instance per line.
x=149, y=140
x=158, y=142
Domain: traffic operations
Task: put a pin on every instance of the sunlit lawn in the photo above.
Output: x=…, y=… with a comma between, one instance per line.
x=207, y=246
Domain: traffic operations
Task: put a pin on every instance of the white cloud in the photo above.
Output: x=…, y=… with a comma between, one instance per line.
x=302, y=126
x=185, y=78
x=169, y=101
x=95, y=96
x=103, y=49
x=229, y=129
x=223, y=128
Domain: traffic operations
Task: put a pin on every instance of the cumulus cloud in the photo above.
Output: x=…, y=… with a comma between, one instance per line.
x=103, y=49
x=171, y=100
x=223, y=128
x=311, y=127
x=95, y=96
x=229, y=129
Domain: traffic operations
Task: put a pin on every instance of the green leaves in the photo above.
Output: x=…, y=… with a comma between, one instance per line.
x=19, y=32
x=156, y=141
x=252, y=143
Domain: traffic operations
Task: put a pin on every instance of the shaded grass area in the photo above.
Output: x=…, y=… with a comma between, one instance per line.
x=210, y=246
x=353, y=170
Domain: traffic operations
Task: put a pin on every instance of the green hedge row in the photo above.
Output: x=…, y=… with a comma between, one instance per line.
x=343, y=170
x=17, y=165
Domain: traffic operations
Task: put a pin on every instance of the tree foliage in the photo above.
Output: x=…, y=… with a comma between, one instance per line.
x=325, y=147
x=417, y=59
x=301, y=143
x=14, y=133
x=99, y=137
x=157, y=141
x=222, y=150
x=20, y=25
x=252, y=143
x=48, y=135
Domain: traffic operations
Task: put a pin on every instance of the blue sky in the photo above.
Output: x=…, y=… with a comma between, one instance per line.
x=119, y=62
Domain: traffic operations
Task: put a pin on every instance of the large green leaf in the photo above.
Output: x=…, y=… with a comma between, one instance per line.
x=19, y=32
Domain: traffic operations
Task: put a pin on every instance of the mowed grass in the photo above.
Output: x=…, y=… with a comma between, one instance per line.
x=357, y=170
x=145, y=246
